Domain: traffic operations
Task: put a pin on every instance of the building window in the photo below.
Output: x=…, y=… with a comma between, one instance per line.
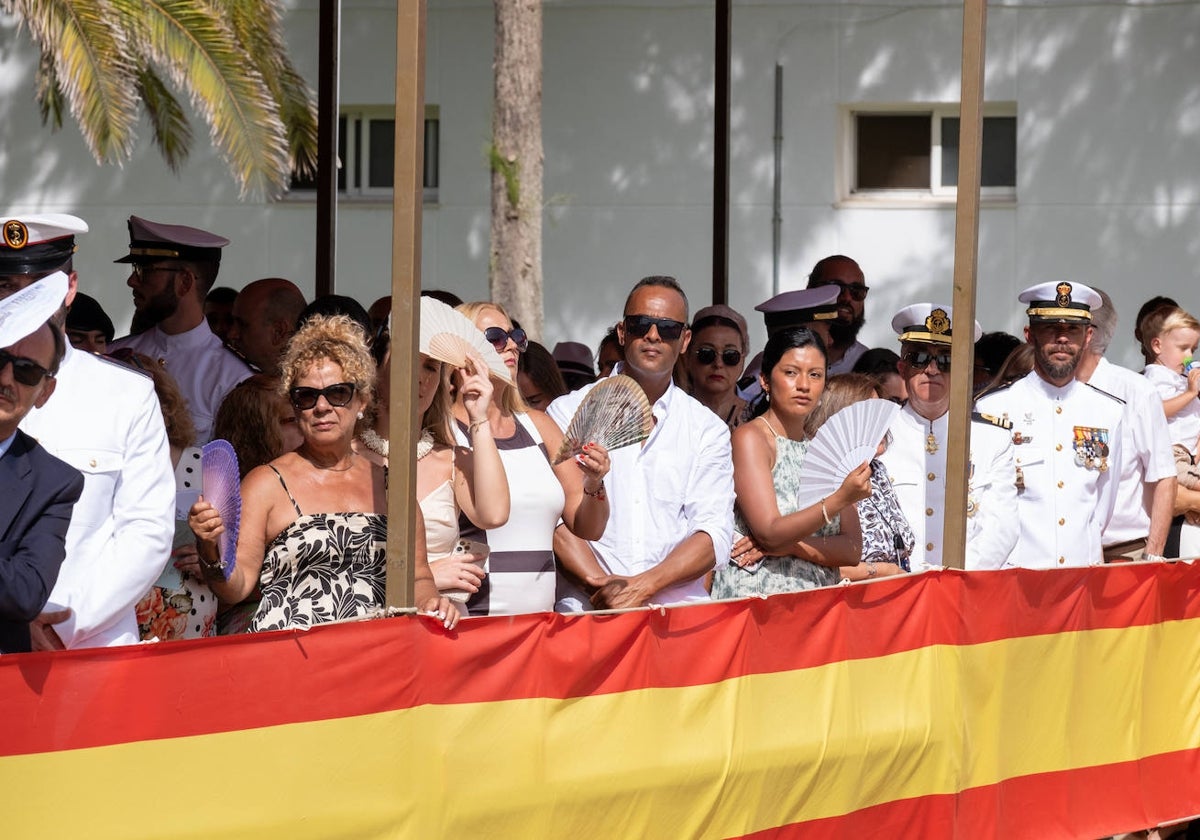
x=367, y=146
x=911, y=152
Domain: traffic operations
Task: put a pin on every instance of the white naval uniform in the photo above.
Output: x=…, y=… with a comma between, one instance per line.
x=1063, y=505
x=1146, y=449
x=105, y=421
x=204, y=369
x=919, y=478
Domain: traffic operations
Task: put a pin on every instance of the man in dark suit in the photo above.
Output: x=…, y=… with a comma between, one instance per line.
x=37, y=491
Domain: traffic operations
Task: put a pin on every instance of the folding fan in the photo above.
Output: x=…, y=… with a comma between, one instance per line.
x=614, y=413
x=447, y=335
x=23, y=312
x=844, y=441
x=222, y=490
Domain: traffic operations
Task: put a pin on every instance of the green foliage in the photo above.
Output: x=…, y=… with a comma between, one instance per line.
x=105, y=60
x=509, y=171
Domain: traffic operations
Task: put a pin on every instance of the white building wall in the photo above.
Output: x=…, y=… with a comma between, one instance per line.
x=1108, y=105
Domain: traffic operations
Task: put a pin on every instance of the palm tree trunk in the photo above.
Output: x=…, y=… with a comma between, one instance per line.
x=515, y=265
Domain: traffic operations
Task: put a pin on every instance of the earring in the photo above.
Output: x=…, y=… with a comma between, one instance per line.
x=360, y=415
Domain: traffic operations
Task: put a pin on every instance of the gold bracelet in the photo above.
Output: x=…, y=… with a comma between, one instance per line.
x=825, y=513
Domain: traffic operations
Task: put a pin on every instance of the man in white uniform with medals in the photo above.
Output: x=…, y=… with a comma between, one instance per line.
x=916, y=457
x=105, y=421
x=174, y=266
x=1067, y=435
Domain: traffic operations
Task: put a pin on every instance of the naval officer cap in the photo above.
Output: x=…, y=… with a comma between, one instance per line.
x=153, y=241
x=928, y=323
x=38, y=243
x=1060, y=303
x=803, y=306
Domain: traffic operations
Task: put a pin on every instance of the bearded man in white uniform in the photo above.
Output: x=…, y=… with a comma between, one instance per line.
x=105, y=421
x=916, y=457
x=1067, y=435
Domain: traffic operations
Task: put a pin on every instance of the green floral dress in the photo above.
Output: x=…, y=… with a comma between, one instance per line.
x=775, y=574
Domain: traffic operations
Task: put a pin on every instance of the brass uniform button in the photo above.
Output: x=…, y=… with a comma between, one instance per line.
x=1062, y=560
x=92, y=463
x=1062, y=522
x=1058, y=409
x=931, y=476
x=1060, y=485
x=929, y=511
x=929, y=546
x=1058, y=447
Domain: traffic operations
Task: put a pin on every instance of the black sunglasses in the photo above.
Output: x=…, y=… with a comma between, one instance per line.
x=920, y=359
x=857, y=291
x=498, y=338
x=25, y=371
x=708, y=355
x=336, y=395
x=639, y=326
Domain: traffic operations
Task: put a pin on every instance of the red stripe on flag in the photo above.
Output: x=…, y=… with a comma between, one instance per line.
x=90, y=698
x=1086, y=802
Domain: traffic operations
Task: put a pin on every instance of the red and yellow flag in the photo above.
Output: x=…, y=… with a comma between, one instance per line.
x=1035, y=704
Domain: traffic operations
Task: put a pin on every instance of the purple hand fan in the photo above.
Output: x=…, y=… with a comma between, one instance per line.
x=222, y=489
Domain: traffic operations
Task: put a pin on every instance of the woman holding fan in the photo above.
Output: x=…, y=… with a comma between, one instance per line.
x=785, y=549
x=521, y=574
x=313, y=527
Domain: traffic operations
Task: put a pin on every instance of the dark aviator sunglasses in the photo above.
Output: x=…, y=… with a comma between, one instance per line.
x=25, y=371
x=920, y=359
x=708, y=355
x=337, y=396
x=857, y=291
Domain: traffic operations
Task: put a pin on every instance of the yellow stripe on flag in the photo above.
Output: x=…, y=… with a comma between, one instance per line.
x=704, y=761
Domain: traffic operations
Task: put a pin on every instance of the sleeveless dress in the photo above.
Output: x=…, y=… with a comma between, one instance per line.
x=323, y=567
x=439, y=509
x=775, y=574
x=521, y=577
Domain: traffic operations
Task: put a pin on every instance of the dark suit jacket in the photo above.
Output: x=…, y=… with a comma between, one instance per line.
x=37, y=494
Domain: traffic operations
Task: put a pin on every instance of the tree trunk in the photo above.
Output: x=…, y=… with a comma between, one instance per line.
x=515, y=266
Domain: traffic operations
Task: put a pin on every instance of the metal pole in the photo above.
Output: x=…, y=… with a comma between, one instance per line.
x=720, y=238
x=777, y=192
x=966, y=258
x=406, y=287
x=327, y=143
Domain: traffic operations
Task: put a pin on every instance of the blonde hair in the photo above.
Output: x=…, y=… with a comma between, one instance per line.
x=840, y=391
x=440, y=414
x=510, y=396
x=336, y=338
x=1160, y=322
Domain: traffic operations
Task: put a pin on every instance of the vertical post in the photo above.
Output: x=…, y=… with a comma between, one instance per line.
x=327, y=143
x=720, y=236
x=966, y=259
x=406, y=286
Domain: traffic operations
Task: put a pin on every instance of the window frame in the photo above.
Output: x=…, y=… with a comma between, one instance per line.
x=937, y=194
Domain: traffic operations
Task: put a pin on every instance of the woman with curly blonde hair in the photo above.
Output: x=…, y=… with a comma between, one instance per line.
x=314, y=523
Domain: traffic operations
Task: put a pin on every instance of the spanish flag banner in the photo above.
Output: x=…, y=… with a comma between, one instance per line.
x=1038, y=704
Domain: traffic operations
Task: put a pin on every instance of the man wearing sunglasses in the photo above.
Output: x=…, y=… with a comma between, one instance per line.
x=104, y=421
x=671, y=498
x=1067, y=435
x=39, y=489
x=916, y=460
x=842, y=273
x=173, y=268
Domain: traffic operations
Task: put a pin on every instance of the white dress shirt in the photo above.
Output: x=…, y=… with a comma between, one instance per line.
x=919, y=479
x=1185, y=425
x=105, y=421
x=1063, y=503
x=1146, y=448
x=677, y=483
x=204, y=369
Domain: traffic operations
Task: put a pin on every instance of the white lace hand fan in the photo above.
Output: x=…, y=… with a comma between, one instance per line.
x=614, y=413
x=840, y=446
x=222, y=489
x=25, y=311
x=447, y=335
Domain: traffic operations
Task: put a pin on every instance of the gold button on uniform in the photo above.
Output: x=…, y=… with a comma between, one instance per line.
x=1062, y=522
x=1060, y=485
x=92, y=463
x=929, y=511
x=1058, y=409
x=929, y=546
x=1062, y=560
x=1058, y=447
x=931, y=476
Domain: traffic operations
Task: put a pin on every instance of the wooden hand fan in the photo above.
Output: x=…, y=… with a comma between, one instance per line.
x=614, y=413
x=222, y=489
x=447, y=335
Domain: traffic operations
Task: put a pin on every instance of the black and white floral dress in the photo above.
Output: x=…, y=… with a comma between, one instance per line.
x=323, y=567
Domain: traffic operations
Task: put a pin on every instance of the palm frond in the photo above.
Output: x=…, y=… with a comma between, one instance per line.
x=189, y=42
x=48, y=94
x=92, y=70
x=257, y=25
x=172, y=132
